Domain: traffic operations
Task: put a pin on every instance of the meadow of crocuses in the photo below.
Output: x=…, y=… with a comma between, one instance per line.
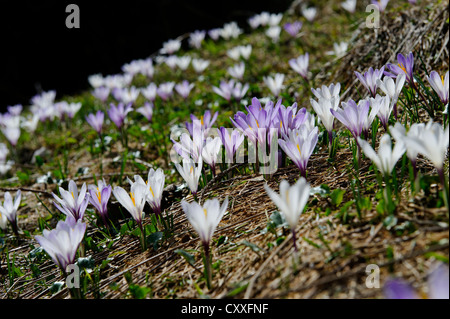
x=224, y=166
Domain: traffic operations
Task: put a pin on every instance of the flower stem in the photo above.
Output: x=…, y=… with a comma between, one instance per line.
x=207, y=263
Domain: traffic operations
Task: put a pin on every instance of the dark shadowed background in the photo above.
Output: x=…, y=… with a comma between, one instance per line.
x=39, y=53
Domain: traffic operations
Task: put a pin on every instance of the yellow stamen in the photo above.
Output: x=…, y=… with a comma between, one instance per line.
x=257, y=124
x=201, y=120
x=151, y=190
x=99, y=195
x=298, y=147
x=205, y=212
x=281, y=124
x=442, y=79
x=132, y=198
x=72, y=195
x=402, y=67
x=192, y=170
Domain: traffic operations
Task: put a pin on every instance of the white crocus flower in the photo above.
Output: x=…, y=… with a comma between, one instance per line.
x=275, y=84
x=386, y=158
x=349, y=5
x=204, y=219
x=234, y=53
x=190, y=173
x=322, y=109
x=211, y=151
x=237, y=71
x=431, y=143
x=170, y=46
x=274, y=33
x=155, y=187
x=291, y=201
x=72, y=202
x=391, y=88
x=9, y=210
x=183, y=62
x=199, y=65
x=133, y=202
x=309, y=13
x=245, y=51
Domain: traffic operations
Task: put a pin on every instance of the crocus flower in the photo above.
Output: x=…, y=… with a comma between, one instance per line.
x=214, y=33
x=293, y=28
x=440, y=85
x=206, y=121
x=437, y=283
x=234, y=53
x=15, y=110
x=10, y=127
x=9, y=209
x=101, y=93
x=369, y=79
x=183, y=62
x=4, y=151
x=155, y=187
x=99, y=197
x=196, y=38
x=170, y=46
x=231, y=89
x=399, y=133
x=245, y=51
x=118, y=113
x=204, y=219
x=71, y=202
x=133, y=202
x=184, y=88
x=405, y=66
x=146, y=110
x=309, y=13
x=230, y=30
x=300, y=65
x=96, y=80
x=62, y=242
x=433, y=144
x=237, y=70
x=275, y=84
x=384, y=108
x=386, y=158
x=231, y=142
x=96, y=120
x=322, y=109
x=171, y=61
x=199, y=65
x=191, y=145
x=299, y=146
x=190, y=173
x=273, y=33
x=275, y=19
x=254, y=21
x=381, y=4
x=291, y=201
x=392, y=89
x=165, y=90
x=353, y=116
x=210, y=152
x=339, y=49
x=328, y=93
x=289, y=118
x=150, y=92
x=349, y=5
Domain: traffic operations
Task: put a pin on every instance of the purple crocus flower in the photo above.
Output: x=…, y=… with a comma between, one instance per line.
x=62, y=242
x=72, y=203
x=231, y=142
x=299, y=146
x=289, y=118
x=118, y=113
x=150, y=92
x=184, y=88
x=231, y=89
x=9, y=209
x=146, y=110
x=99, y=197
x=293, y=28
x=437, y=283
x=405, y=65
x=191, y=146
x=96, y=120
x=206, y=121
x=15, y=110
x=353, y=116
x=369, y=79
x=381, y=4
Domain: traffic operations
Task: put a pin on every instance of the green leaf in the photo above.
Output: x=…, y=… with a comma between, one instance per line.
x=189, y=258
x=250, y=245
x=323, y=190
x=56, y=287
x=337, y=196
x=154, y=238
